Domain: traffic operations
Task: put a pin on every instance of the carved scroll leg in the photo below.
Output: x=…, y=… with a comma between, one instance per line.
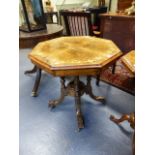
x=78, y=104
x=123, y=118
x=131, y=119
x=33, y=70
x=37, y=82
x=54, y=103
x=90, y=93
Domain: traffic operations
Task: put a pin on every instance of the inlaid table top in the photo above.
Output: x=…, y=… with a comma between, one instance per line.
x=129, y=61
x=74, y=53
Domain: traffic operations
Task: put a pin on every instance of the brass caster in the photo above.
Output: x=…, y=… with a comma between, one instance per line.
x=34, y=94
x=101, y=99
x=80, y=122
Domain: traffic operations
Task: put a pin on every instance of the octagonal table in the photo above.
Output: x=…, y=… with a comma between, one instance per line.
x=75, y=56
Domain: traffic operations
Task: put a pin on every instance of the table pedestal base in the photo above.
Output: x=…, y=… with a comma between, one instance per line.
x=76, y=88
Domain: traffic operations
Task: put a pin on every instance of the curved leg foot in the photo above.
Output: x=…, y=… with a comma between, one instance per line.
x=130, y=118
x=97, y=98
x=117, y=121
x=37, y=82
x=90, y=93
x=53, y=103
x=33, y=70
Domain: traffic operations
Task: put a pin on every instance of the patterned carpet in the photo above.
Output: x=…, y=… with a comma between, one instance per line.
x=122, y=79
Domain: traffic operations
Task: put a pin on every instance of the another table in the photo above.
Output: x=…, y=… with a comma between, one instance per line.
x=75, y=56
x=29, y=40
x=129, y=61
x=95, y=11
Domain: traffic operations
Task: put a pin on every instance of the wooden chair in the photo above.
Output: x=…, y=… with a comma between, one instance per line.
x=78, y=23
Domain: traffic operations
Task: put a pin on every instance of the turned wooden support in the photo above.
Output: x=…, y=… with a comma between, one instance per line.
x=37, y=82
x=78, y=103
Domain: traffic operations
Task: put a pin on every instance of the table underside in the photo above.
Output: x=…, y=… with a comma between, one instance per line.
x=75, y=88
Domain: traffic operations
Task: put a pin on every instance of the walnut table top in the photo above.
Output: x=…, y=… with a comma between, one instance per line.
x=81, y=55
x=129, y=61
